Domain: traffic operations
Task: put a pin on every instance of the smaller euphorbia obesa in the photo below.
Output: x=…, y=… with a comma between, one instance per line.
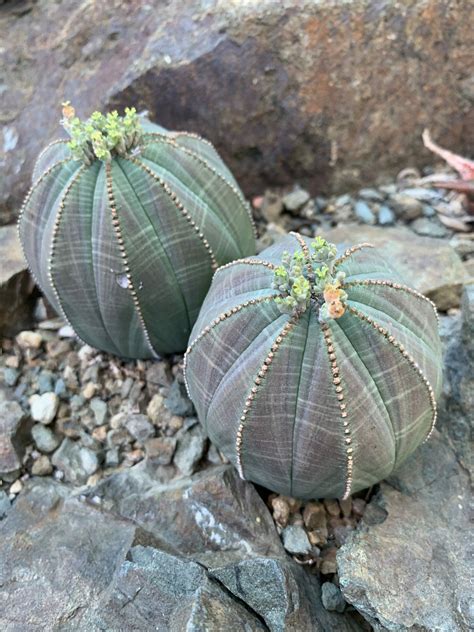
x=124, y=226
x=314, y=371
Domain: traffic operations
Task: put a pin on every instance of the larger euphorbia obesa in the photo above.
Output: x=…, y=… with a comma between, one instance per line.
x=124, y=227
x=316, y=373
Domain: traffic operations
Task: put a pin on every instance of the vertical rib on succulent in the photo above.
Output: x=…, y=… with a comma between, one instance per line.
x=121, y=245
x=219, y=319
x=405, y=354
x=259, y=378
x=205, y=163
x=57, y=222
x=395, y=286
x=336, y=380
x=180, y=206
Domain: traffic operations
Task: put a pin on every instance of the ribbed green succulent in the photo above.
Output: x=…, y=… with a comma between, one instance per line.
x=315, y=373
x=124, y=227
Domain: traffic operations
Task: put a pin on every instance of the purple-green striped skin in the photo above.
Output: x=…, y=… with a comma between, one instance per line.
x=320, y=410
x=126, y=250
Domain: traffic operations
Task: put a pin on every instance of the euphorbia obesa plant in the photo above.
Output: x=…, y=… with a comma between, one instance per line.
x=316, y=373
x=124, y=227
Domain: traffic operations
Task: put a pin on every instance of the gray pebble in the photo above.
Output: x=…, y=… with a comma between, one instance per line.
x=76, y=462
x=10, y=376
x=44, y=438
x=428, y=211
x=342, y=200
x=364, y=212
x=139, y=428
x=60, y=388
x=428, y=228
x=45, y=382
x=295, y=539
x=42, y=466
x=112, y=457
x=406, y=207
x=99, y=408
x=386, y=215
x=190, y=450
x=332, y=597
x=371, y=194
x=177, y=401
x=126, y=387
x=77, y=401
x=295, y=200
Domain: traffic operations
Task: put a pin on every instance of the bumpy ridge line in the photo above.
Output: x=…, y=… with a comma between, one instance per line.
x=254, y=390
x=192, y=154
x=180, y=206
x=120, y=241
x=219, y=319
x=394, y=342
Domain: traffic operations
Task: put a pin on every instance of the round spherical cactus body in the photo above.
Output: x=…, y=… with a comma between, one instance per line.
x=124, y=227
x=315, y=373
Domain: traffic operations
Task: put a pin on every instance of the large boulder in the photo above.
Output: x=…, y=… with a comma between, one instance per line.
x=330, y=93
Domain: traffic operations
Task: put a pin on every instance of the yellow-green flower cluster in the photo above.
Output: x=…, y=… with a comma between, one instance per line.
x=101, y=135
x=299, y=279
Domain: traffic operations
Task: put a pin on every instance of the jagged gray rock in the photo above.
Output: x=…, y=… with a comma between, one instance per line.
x=58, y=557
x=14, y=435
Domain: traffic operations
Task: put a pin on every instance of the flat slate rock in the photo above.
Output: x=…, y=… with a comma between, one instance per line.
x=429, y=265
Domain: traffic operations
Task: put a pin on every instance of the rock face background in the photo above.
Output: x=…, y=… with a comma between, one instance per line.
x=331, y=94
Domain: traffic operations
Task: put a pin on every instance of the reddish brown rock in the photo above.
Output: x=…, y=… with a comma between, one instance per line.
x=329, y=94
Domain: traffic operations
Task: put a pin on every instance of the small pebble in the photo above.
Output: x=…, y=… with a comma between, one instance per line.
x=386, y=216
x=428, y=228
x=281, y=511
x=406, y=207
x=295, y=540
x=332, y=507
x=44, y=438
x=160, y=450
x=139, y=428
x=332, y=598
x=89, y=390
x=371, y=194
x=295, y=200
x=42, y=466
x=16, y=487
x=10, y=376
x=44, y=407
x=29, y=340
x=364, y=212
x=314, y=516
x=99, y=408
